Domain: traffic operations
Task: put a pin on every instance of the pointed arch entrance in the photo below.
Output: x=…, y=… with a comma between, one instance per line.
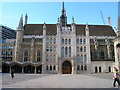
x=66, y=67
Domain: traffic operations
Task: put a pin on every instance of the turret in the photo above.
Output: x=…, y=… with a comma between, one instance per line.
x=73, y=25
x=26, y=18
x=118, y=30
x=44, y=29
x=109, y=21
x=87, y=30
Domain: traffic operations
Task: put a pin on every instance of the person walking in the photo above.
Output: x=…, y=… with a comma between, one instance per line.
x=12, y=73
x=116, y=77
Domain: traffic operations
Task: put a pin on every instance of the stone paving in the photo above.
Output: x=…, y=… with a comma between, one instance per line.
x=103, y=80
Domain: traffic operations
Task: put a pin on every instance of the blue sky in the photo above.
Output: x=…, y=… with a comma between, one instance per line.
x=40, y=12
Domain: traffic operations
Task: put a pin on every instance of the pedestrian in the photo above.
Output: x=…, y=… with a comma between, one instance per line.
x=116, y=77
x=12, y=73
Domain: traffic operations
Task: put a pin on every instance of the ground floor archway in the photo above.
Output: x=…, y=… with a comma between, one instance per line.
x=29, y=69
x=66, y=67
x=39, y=69
x=17, y=68
x=5, y=68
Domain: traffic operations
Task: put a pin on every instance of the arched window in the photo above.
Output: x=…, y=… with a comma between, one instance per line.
x=96, y=70
x=84, y=40
x=66, y=52
x=102, y=55
x=69, y=51
x=78, y=58
x=85, y=67
x=50, y=67
x=54, y=67
x=38, y=56
x=85, y=60
x=26, y=56
x=109, y=69
x=81, y=59
x=62, y=51
x=84, y=49
x=62, y=41
x=69, y=41
x=47, y=57
x=54, y=41
x=47, y=67
x=77, y=41
x=99, y=69
x=81, y=49
x=81, y=41
x=50, y=40
x=77, y=49
x=78, y=67
x=65, y=41
x=81, y=67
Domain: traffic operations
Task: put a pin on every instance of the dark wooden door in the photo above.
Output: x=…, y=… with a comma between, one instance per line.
x=66, y=68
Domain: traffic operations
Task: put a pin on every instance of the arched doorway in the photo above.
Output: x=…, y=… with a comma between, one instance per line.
x=39, y=69
x=5, y=68
x=17, y=68
x=66, y=67
x=96, y=70
x=29, y=69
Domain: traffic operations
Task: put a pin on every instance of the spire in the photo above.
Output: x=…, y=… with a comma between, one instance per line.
x=26, y=18
x=63, y=17
x=118, y=23
x=63, y=10
x=20, y=26
x=109, y=20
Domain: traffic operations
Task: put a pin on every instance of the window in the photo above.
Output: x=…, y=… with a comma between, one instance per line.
x=54, y=41
x=81, y=59
x=54, y=67
x=47, y=48
x=69, y=41
x=84, y=49
x=47, y=67
x=38, y=56
x=65, y=41
x=84, y=41
x=81, y=67
x=81, y=49
x=62, y=41
x=77, y=41
x=85, y=67
x=25, y=55
x=47, y=58
x=50, y=40
x=66, y=52
x=85, y=61
x=69, y=51
x=102, y=55
x=81, y=41
x=77, y=49
x=62, y=51
x=50, y=67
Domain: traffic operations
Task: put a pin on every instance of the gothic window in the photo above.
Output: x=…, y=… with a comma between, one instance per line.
x=77, y=41
x=81, y=59
x=81, y=67
x=25, y=55
x=69, y=41
x=69, y=51
x=77, y=49
x=84, y=49
x=81, y=41
x=78, y=67
x=47, y=58
x=99, y=69
x=54, y=49
x=47, y=67
x=54, y=41
x=102, y=55
x=66, y=52
x=38, y=56
x=85, y=59
x=50, y=48
x=62, y=51
x=62, y=41
x=85, y=67
x=84, y=40
x=50, y=67
x=78, y=58
x=50, y=40
x=81, y=49
x=65, y=41
x=54, y=67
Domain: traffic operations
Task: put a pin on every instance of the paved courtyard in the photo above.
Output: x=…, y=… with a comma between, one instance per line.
x=58, y=81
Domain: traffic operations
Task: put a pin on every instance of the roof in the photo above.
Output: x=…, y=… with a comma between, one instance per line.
x=95, y=30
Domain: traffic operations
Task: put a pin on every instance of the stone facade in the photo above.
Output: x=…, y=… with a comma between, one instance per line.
x=63, y=48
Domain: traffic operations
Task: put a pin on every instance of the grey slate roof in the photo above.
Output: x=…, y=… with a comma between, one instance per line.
x=95, y=30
